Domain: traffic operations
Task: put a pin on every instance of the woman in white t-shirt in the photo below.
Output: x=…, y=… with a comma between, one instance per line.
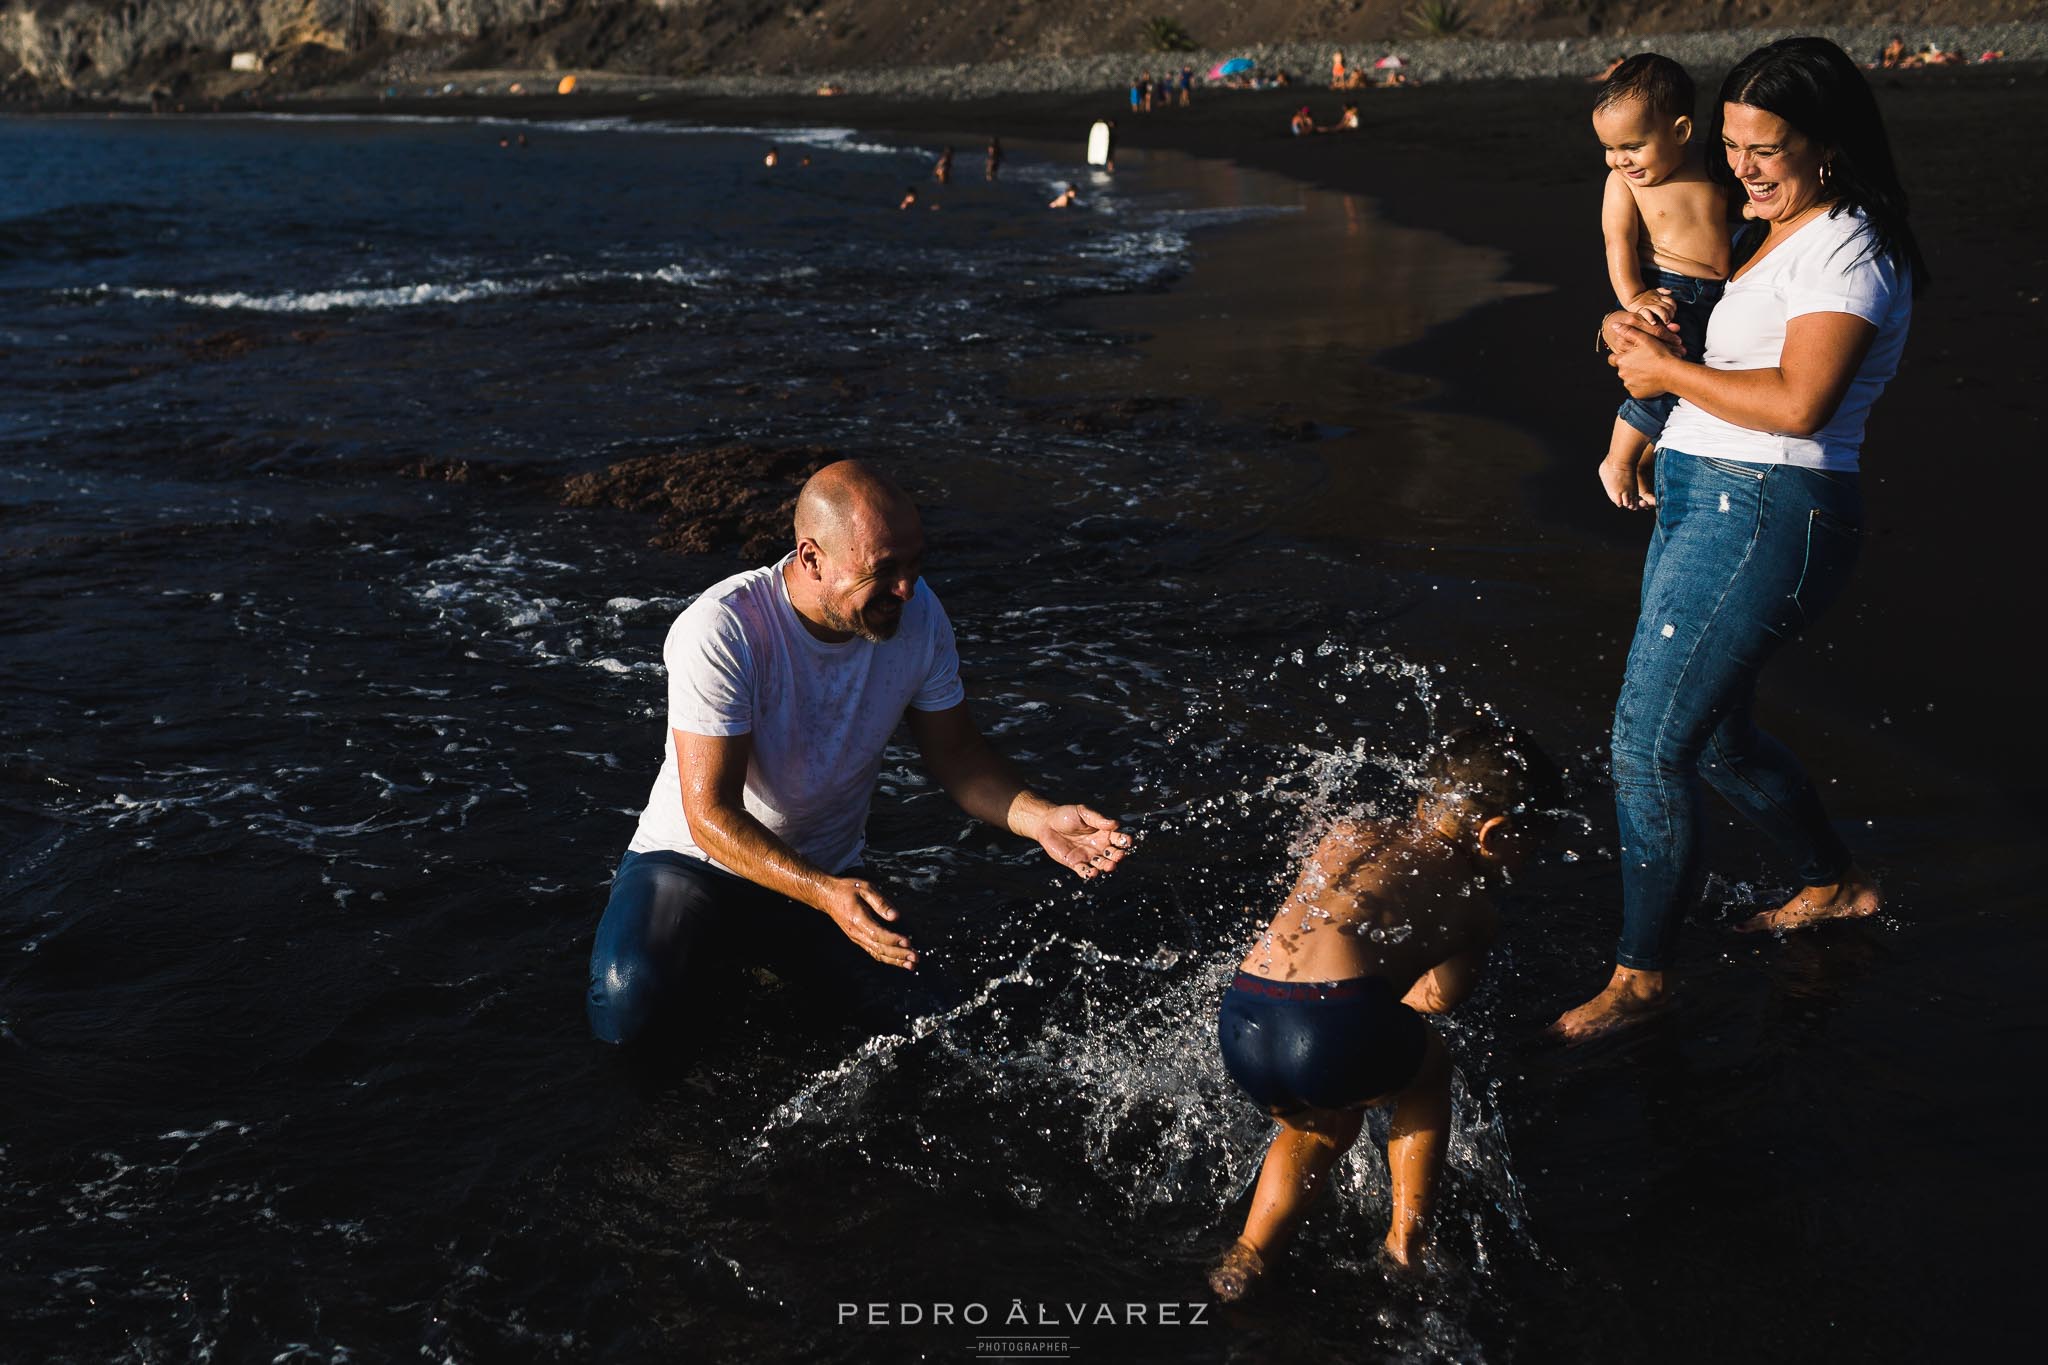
x=1759, y=506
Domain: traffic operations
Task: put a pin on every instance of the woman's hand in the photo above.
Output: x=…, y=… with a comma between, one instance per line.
x=1641, y=353
x=1624, y=331
x=1645, y=370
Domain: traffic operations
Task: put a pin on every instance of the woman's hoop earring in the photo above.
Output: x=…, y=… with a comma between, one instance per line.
x=1827, y=173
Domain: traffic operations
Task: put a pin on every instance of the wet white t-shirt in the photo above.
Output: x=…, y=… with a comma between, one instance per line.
x=740, y=662
x=1815, y=270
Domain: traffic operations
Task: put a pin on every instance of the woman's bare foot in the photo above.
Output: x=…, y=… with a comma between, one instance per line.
x=1234, y=1276
x=1854, y=897
x=1629, y=998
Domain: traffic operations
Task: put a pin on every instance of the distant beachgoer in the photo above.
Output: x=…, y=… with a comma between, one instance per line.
x=1187, y=86
x=1337, y=71
x=909, y=198
x=1347, y=124
x=1894, y=53
x=1665, y=221
x=1137, y=94
x=1068, y=198
x=1388, y=921
x=1302, y=122
x=1145, y=85
x=770, y=159
x=1759, y=506
x=522, y=141
x=995, y=158
x=943, y=171
x=785, y=684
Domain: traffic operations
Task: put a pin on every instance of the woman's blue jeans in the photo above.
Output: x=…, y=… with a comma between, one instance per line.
x=1744, y=557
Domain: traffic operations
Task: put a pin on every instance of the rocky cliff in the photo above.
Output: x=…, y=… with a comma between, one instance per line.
x=136, y=45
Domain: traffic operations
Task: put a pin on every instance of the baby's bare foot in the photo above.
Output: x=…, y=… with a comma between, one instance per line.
x=1618, y=481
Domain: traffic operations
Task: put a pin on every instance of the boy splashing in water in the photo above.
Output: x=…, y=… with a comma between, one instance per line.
x=1666, y=226
x=1387, y=922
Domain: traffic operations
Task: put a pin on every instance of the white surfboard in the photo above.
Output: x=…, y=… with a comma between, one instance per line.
x=1098, y=145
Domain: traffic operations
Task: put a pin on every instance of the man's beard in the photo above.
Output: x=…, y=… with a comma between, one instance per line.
x=857, y=622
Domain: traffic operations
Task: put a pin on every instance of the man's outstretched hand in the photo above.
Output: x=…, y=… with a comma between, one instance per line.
x=859, y=910
x=1085, y=840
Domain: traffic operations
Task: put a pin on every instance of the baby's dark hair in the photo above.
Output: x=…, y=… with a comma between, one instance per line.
x=1660, y=83
x=1487, y=770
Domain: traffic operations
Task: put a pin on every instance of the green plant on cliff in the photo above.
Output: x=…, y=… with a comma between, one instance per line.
x=1166, y=35
x=1438, y=19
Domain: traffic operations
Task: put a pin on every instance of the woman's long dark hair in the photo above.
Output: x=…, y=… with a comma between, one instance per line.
x=1812, y=85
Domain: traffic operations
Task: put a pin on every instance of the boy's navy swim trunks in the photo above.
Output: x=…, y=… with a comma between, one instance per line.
x=1318, y=1044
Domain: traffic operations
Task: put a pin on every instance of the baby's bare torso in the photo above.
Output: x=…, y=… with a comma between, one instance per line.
x=1373, y=900
x=1685, y=224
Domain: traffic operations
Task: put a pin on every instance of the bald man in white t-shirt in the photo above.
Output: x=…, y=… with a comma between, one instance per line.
x=785, y=684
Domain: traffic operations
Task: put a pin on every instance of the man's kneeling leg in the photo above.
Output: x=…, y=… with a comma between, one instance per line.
x=661, y=910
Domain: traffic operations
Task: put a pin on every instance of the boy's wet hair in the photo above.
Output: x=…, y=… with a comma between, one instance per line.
x=1487, y=770
x=1660, y=83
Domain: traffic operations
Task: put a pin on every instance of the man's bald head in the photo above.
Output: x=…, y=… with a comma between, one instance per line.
x=859, y=551
x=851, y=501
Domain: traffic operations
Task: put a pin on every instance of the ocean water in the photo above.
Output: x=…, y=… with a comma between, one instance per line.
x=313, y=775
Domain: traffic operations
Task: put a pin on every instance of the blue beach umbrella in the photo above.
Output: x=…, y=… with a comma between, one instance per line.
x=1233, y=66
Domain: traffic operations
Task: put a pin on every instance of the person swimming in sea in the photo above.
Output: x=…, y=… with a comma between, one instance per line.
x=1388, y=921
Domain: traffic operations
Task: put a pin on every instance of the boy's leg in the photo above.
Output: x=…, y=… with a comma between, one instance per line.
x=1416, y=1143
x=1306, y=1147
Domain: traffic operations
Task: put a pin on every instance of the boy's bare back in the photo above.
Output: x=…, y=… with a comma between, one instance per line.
x=1376, y=898
x=1684, y=220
